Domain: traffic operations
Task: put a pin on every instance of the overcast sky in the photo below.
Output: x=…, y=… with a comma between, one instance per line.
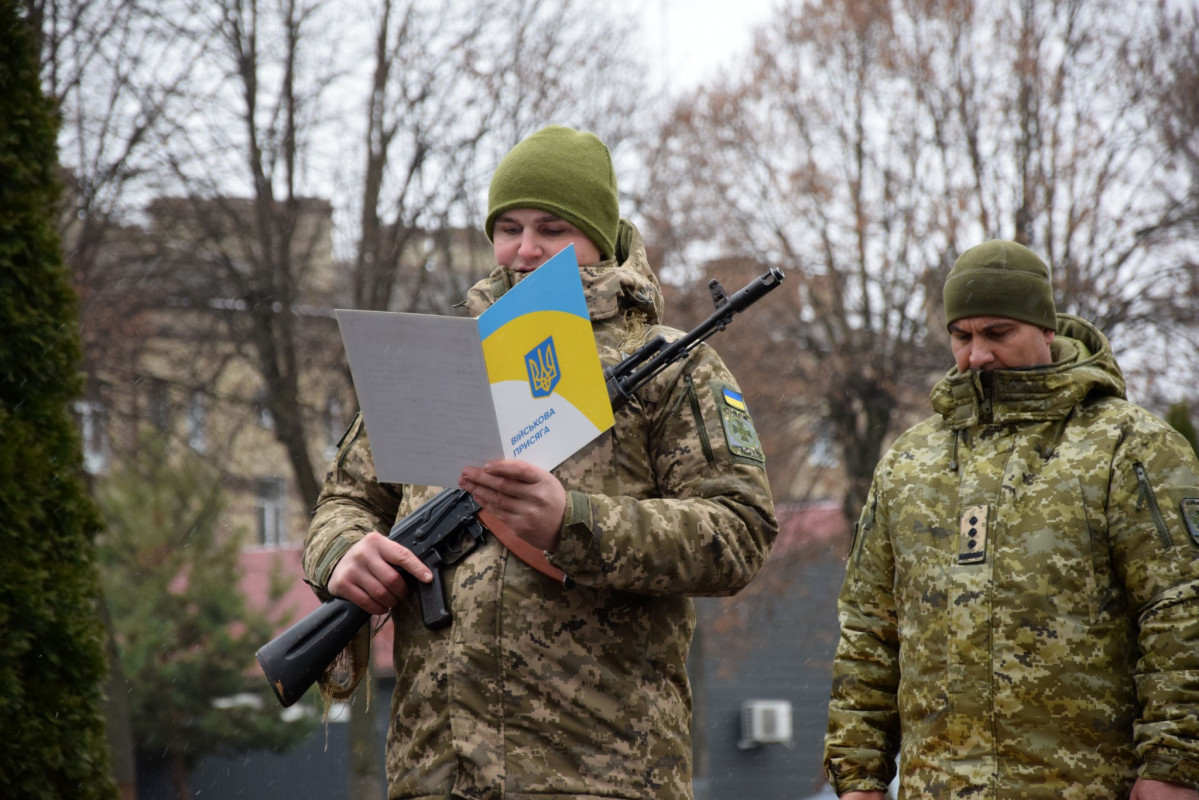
x=689, y=39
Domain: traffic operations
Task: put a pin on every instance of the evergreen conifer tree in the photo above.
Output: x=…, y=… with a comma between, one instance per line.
x=52, y=662
x=186, y=635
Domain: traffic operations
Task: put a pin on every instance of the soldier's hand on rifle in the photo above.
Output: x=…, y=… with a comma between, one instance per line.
x=527, y=499
x=368, y=574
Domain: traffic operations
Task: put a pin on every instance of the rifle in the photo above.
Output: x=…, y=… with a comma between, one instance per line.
x=447, y=528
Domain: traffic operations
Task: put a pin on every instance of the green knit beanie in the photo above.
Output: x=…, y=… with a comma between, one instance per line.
x=1000, y=279
x=565, y=172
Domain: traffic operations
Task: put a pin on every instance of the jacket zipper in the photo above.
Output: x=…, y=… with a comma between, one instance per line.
x=862, y=527
x=697, y=412
x=1145, y=496
x=986, y=411
x=344, y=443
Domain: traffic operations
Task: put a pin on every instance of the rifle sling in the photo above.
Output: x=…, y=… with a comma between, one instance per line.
x=526, y=552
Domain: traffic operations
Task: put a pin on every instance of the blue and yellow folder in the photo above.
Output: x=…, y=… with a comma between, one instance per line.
x=422, y=380
x=547, y=382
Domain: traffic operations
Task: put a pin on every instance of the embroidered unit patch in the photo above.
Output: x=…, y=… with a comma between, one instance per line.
x=1190, y=515
x=739, y=429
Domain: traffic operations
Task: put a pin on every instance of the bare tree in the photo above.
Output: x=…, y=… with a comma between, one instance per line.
x=263, y=254
x=1171, y=81
x=870, y=142
x=449, y=87
x=453, y=86
x=1178, y=36
x=114, y=70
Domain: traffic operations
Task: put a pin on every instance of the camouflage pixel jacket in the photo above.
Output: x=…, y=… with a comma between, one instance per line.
x=540, y=691
x=1020, y=613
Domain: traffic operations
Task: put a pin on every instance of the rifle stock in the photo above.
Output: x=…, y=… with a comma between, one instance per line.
x=293, y=660
x=441, y=532
x=447, y=528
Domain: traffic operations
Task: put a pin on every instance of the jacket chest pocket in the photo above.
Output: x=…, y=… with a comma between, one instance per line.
x=1052, y=551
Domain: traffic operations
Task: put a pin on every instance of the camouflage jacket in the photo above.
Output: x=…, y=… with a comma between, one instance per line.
x=1020, y=612
x=537, y=690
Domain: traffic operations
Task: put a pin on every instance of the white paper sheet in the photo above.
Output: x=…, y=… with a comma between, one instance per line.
x=422, y=384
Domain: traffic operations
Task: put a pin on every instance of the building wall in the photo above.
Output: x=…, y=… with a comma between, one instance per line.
x=775, y=641
x=317, y=768
x=168, y=351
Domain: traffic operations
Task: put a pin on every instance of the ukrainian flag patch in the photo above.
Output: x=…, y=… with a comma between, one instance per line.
x=739, y=431
x=734, y=399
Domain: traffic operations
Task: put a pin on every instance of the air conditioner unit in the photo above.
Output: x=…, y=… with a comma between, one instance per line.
x=765, y=722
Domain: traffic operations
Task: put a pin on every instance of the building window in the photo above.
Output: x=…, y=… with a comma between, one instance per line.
x=266, y=420
x=197, y=422
x=93, y=430
x=268, y=498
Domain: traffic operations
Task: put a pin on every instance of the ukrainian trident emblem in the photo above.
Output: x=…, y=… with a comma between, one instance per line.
x=542, y=363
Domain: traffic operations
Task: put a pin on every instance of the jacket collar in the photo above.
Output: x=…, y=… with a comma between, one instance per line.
x=613, y=287
x=1083, y=366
